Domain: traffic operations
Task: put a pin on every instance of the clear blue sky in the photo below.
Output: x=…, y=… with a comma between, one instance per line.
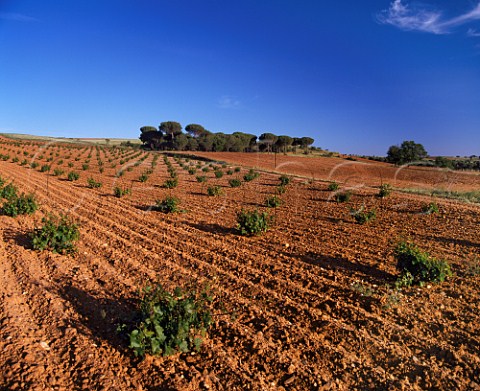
x=358, y=76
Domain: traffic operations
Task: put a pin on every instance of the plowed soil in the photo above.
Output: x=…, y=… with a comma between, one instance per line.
x=309, y=305
x=355, y=173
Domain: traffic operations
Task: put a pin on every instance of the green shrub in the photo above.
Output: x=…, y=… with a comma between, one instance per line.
x=171, y=322
x=58, y=172
x=333, y=186
x=362, y=216
x=235, y=182
x=85, y=167
x=168, y=205
x=218, y=174
x=385, y=190
x=343, y=197
x=431, y=208
x=285, y=180
x=170, y=183
x=93, y=184
x=201, y=178
x=34, y=164
x=22, y=205
x=417, y=267
x=143, y=178
x=281, y=189
x=237, y=169
x=9, y=191
x=45, y=168
x=57, y=234
x=15, y=159
x=192, y=171
x=251, y=175
x=24, y=162
x=273, y=202
x=229, y=172
x=120, y=192
x=214, y=191
x=70, y=164
x=73, y=176
x=252, y=222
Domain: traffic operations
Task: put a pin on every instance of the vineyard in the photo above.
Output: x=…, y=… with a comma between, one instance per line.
x=304, y=288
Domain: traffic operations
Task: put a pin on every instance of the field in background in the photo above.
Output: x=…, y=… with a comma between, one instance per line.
x=355, y=173
x=99, y=141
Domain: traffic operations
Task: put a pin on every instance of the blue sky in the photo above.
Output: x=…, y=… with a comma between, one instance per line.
x=357, y=76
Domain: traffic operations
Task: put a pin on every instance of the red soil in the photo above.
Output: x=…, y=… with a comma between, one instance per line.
x=308, y=305
x=356, y=173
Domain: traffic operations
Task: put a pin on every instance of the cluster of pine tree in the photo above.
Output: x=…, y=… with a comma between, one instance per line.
x=170, y=136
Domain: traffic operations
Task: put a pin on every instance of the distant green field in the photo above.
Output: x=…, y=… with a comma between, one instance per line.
x=100, y=141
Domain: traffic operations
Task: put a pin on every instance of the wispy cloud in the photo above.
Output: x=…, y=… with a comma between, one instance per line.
x=229, y=102
x=412, y=17
x=473, y=33
x=465, y=18
x=17, y=17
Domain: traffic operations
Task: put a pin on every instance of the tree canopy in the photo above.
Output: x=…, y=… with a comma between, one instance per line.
x=146, y=129
x=171, y=128
x=283, y=142
x=195, y=130
x=407, y=152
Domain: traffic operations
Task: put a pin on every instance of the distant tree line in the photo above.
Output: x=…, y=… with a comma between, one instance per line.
x=410, y=152
x=470, y=163
x=170, y=136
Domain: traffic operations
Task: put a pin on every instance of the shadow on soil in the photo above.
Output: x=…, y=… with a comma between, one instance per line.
x=460, y=242
x=256, y=204
x=101, y=316
x=213, y=228
x=335, y=263
x=20, y=238
x=146, y=208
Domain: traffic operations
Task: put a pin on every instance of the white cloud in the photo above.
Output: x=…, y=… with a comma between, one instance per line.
x=420, y=18
x=17, y=17
x=228, y=102
x=404, y=17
